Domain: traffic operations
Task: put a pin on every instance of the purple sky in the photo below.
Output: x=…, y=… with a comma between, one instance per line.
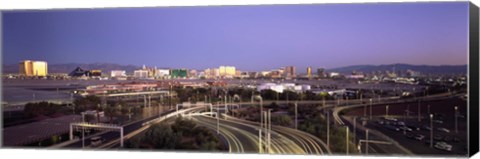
x=248, y=37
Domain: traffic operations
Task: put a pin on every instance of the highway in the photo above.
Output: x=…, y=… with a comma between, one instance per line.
x=243, y=136
x=109, y=135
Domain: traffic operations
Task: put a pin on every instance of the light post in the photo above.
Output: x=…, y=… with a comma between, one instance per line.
x=226, y=100
x=428, y=109
x=418, y=114
x=83, y=130
x=296, y=115
x=346, y=101
x=405, y=121
x=261, y=108
x=386, y=111
x=371, y=108
x=346, y=144
x=370, y=111
x=218, y=120
x=366, y=142
x=260, y=140
x=269, y=141
x=456, y=120
x=408, y=111
x=261, y=121
x=431, y=130
x=328, y=129
x=354, y=129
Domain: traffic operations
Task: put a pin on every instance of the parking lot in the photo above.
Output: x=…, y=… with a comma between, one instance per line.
x=407, y=130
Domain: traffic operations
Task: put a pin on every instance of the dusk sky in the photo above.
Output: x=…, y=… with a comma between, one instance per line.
x=252, y=38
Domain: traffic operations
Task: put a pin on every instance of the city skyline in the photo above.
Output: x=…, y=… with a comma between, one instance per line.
x=252, y=38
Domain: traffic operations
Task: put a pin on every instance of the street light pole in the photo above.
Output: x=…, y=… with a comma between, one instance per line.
x=328, y=129
x=428, y=109
x=366, y=142
x=296, y=115
x=218, y=121
x=269, y=129
x=260, y=140
x=83, y=130
x=355, y=129
x=419, y=119
x=370, y=109
x=346, y=144
x=456, y=120
x=431, y=130
x=386, y=111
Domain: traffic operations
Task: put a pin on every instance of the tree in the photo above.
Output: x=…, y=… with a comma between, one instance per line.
x=161, y=136
x=283, y=120
x=111, y=112
x=87, y=103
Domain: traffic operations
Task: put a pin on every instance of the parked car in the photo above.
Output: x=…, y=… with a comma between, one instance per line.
x=438, y=121
x=414, y=127
x=443, y=146
x=443, y=130
x=447, y=139
x=427, y=128
x=427, y=142
x=381, y=122
x=419, y=137
x=394, y=128
x=405, y=128
x=391, y=119
x=401, y=123
x=437, y=137
x=456, y=139
x=410, y=136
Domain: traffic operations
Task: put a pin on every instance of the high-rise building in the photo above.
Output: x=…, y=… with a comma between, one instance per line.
x=309, y=72
x=95, y=73
x=142, y=74
x=33, y=68
x=162, y=73
x=290, y=72
x=211, y=73
x=227, y=71
x=118, y=73
x=320, y=72
x=179, y=73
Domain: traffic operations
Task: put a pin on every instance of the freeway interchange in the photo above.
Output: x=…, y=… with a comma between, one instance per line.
x=242, y=136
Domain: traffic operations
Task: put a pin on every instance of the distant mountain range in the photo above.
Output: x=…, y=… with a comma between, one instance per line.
x=107, y=67
x=426, y=69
